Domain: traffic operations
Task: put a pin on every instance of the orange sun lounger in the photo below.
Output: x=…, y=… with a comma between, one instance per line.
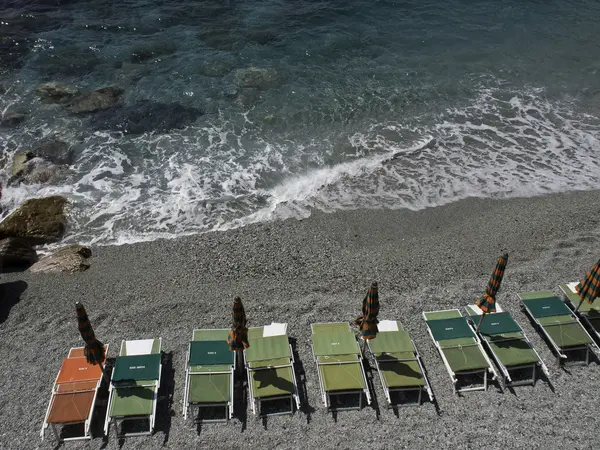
x=73, y=395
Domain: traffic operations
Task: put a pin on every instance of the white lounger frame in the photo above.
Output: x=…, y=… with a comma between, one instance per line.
x=88, y=421
x=188, y=373
x=506, y=378
x=116, y=421
x=561, y=352
x=388, y=390
x=256, y=402
x=454, y=376
x=326, y=395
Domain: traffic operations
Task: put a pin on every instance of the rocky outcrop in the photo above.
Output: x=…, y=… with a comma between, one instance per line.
x=97, y=100
x=257, y=77
x=42, y=164
x=38, y=221
x=16, y=253
x=54, y=150
x=56, y=92
x=73, y=258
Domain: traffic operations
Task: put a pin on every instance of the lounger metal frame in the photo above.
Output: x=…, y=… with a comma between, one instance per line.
x=454, y=375
x=188, y=373
x=506, y=378
x=387, y=390
x=561, y=352
x=254, y=401
x=326, y=395
x=118, y=420
x=88, y=421
x=581, y=316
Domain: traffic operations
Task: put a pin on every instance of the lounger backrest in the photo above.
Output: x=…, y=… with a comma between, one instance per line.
x=220, y=334
x=333, y=327
x=445, y=314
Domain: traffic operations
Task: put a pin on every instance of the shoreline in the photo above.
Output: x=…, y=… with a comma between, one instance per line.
x=317, y=270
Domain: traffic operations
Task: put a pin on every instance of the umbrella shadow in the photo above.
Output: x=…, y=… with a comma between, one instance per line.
x=240, y=402
x=371, y=387
x=10, y=295
x=164, y=406
x=305, y=406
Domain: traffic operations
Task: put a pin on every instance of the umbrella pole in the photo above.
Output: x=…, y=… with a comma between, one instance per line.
x=104, y=375
x=480, y=322
x=580, y=302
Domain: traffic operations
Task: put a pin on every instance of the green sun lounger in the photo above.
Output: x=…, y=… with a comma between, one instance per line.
x=588, y=313
x=269, y=363
x=209, y=374
x=460, y=349
x=560, y=326
x=398, y=361
x=339, y=363
x=509, y=346
x=134, y=385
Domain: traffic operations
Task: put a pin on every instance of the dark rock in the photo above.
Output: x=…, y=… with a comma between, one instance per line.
x=38, y=221
x=16, y=253
x=97, y=100
x=36, y=171
x=67, y=259
x=12, y=119
x=262, y=37
x=20, y=161
x=128, y=72
x=146, y=52
x=54, y=150
x=257, y=77
x=56, y=92
x=145, y=116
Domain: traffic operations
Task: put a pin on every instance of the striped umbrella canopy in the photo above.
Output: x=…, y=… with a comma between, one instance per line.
x=367, y=322
x=94, y=349
x=487, y=303
x=238, y=334
x=589, y=289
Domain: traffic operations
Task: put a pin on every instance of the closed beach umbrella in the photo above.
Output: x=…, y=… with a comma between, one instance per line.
x=238, y=334
x=94, y=349
x=367, y=322
x=589, y=289
x=487, y=303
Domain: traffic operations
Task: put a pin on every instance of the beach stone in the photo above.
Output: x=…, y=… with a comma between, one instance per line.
x=73, y=258
x=15, y=252
x=146, y=52
x=257, y=77
x=56, y=92
x=12, y=119
x=96, y=100
x=38, y=221
x=145, y=116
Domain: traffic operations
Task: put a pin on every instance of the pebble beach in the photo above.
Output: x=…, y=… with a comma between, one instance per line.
x=317, y=270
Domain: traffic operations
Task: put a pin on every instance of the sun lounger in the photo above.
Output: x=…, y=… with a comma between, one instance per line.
x=209, y=370
x=460, y=349
x=269, y=363
x=134, y=385
x=339, y=364
x=588, y=313
x=509, y=346
x=73, y=395
x=560, y=326
x=398, y=361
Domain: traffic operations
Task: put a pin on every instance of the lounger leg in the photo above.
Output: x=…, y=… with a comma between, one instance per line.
x=420, y=394
x=533, y=377
x=360, y=401
x=55, y=432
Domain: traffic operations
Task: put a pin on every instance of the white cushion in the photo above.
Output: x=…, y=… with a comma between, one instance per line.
x=139, y=347
x=275, y=329
x=387, y=325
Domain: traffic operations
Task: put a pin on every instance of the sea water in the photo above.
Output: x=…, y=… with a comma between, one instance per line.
x=369, y=104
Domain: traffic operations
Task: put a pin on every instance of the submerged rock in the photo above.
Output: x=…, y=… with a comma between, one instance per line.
x=257, y=77
x=145, y=116
x=66, y=61
x=96, y=100
x=146, y=52
x=54, y=150
x=16, y=253
x=73, y=258
x=38, y=221
x=56, y=92
x=12, y=119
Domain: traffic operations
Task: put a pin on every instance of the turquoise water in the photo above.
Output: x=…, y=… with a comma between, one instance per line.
x=509, y=91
